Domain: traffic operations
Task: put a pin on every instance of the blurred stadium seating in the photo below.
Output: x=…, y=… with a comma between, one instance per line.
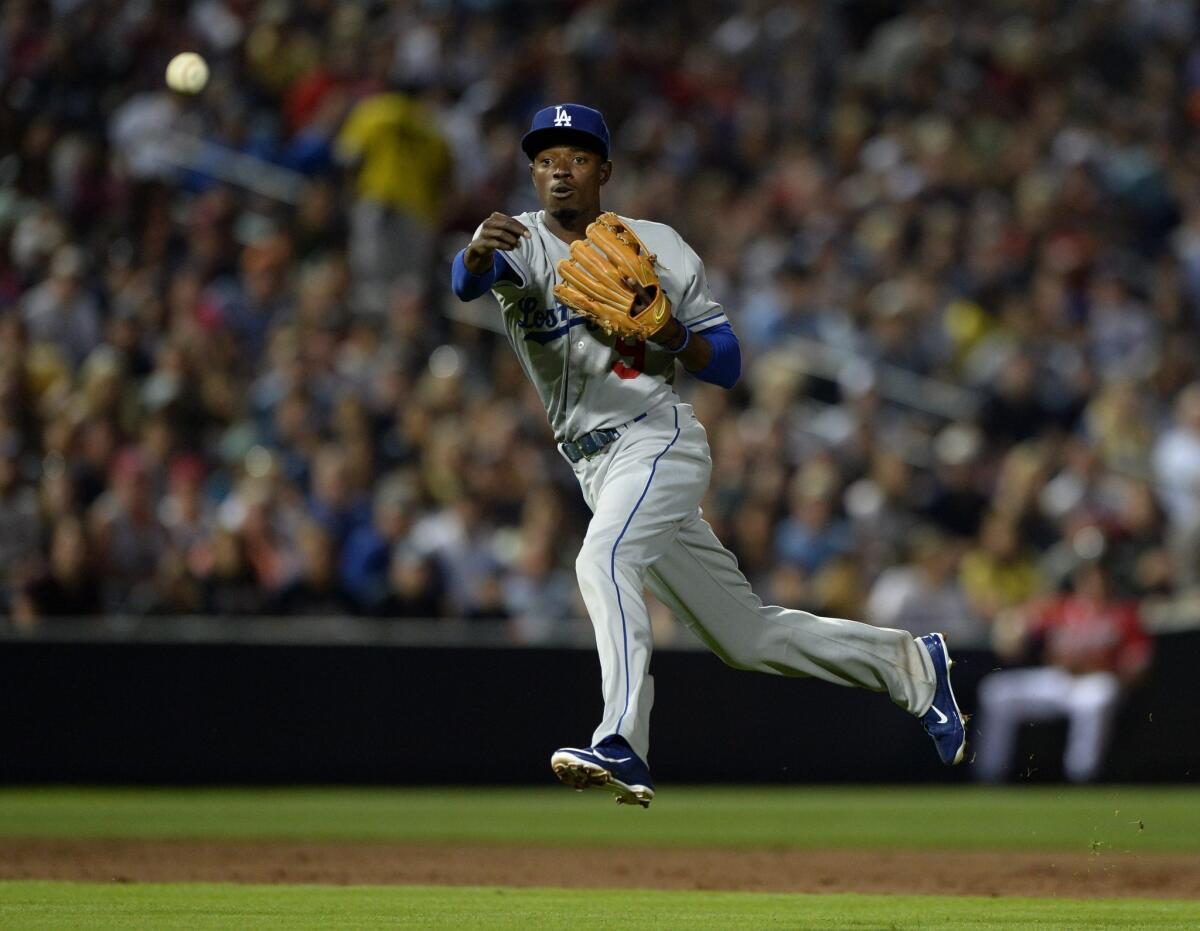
x=962, y=253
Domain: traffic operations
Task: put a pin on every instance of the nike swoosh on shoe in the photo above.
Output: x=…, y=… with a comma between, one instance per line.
x=608, y=759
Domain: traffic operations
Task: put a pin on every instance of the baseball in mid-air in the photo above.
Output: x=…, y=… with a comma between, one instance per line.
x=187, y=73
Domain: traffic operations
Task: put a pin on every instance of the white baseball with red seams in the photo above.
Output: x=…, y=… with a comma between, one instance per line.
x=644, y=490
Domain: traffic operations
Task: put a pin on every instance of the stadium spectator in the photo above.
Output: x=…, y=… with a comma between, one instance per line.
x=999, y=572
x=956, y=504
x=539, y=594
x=184, y=510
x=1091, y=647
x=926, y=590
x=337, y=498
x=403, y=177
x=316, y=589
x=367, y=553
x=228, y=586
x=1141, y=561
x=60, y=312
x=812, y=535
x=1177, y=473
x=68, y=586
x=415, y=587
x=487, y=600
x=128, y=537
x=20, y=520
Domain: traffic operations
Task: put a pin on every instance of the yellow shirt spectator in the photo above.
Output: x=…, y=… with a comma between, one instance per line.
x=998, y=574
x=403, y=160
x=993, y=585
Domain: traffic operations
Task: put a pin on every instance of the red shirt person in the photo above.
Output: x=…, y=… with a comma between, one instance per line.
x=1086, y=633
x=1092, y=645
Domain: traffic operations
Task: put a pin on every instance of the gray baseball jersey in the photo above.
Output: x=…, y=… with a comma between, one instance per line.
x=585, y=378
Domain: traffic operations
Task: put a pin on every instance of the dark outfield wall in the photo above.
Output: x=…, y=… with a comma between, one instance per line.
x=248, y=714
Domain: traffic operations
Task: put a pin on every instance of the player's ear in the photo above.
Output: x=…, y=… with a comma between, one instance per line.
x=605, y=172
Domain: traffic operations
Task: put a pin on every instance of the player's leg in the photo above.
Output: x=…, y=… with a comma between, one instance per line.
x=700, y=580
x=1008, y=699
x=1091, y=706
x=639, y=492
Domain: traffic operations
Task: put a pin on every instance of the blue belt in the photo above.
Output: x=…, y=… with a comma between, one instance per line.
x=591, y=443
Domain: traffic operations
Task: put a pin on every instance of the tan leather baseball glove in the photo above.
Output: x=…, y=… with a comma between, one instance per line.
x=593, y=280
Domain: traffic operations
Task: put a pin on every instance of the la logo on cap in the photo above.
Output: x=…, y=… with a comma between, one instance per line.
x=564, y=124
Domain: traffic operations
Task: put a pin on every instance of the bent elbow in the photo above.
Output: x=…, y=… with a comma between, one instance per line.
x=733, y=372
x=725, y=361
x=466, y=287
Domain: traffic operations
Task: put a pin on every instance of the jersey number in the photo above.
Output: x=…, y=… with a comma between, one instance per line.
x=636, y=354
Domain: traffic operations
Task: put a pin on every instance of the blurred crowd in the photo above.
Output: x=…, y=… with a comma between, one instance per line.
x=233, y=380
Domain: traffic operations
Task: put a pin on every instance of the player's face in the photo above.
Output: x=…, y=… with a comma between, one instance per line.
x=568, y=180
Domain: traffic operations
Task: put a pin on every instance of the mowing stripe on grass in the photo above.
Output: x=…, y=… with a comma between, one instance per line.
x=66, y=906
x=1059, y=818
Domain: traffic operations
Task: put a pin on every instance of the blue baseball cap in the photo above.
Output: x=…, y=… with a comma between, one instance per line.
x=567, y=124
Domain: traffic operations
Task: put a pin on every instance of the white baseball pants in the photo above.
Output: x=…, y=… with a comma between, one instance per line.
x=646, y=530
x=1013, y=697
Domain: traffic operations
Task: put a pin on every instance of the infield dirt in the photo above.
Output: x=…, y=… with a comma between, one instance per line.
x=1107, y=873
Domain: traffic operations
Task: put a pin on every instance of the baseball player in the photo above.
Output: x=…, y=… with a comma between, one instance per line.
x=600, y=309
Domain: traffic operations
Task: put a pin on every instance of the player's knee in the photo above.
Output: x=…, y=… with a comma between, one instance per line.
x=594, y=558
x=745, y=655
x=602, y=552
x=742, y=660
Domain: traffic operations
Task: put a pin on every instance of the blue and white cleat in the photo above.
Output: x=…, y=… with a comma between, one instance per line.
x=611, y=765
x=944, y=721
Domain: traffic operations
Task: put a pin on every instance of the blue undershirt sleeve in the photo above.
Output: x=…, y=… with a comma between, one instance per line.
x=468, y=286
x=725, y=366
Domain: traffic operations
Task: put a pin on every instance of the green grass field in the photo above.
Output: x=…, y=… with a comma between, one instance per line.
x=1065, y=818
x=54, y=906
x=1068, y=819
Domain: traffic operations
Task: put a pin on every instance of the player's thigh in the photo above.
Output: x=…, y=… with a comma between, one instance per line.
x=700, y=581
x=650, y=488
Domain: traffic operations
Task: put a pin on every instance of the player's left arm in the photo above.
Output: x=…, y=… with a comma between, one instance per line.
x=714, y=356
x=699, y=333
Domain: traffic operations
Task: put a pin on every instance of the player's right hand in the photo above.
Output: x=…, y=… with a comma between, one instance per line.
x=498, y=232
